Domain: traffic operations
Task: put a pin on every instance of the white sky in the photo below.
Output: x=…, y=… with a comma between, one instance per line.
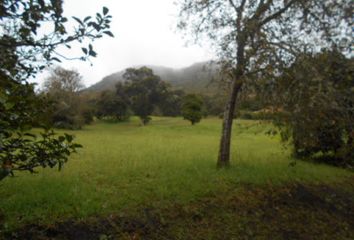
x=145, y=34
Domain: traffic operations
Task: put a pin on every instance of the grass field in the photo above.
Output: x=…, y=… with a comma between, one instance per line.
x=124, y=167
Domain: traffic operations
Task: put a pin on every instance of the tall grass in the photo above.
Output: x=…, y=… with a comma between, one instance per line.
x=126, y=166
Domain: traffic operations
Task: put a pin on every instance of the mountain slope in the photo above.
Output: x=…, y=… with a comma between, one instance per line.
x=199, y=77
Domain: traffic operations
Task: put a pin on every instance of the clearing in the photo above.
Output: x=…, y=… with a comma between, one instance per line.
x=160, y=182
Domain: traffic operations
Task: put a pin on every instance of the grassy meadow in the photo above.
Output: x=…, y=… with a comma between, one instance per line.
x=126, y=166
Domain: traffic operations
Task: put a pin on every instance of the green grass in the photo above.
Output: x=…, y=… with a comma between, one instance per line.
x=125, y=166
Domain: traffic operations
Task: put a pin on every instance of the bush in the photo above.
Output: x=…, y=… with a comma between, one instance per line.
x=192, y=108
x=317, y=94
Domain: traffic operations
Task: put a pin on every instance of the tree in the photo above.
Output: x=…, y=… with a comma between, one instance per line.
x=145, y=90
x=62, y=88
x=63, y=80
x=192, y=108
x=25, y=51
x=255, y=37
x=214, y=104
x=172, y=103
x=113, y=105
x=316, y=93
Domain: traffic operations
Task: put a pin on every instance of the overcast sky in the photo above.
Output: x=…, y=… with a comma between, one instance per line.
x=145, y=34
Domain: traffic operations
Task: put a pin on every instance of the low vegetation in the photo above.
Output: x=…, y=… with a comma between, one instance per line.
x=125, y=168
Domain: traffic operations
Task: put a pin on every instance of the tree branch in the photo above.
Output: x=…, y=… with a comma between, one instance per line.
x=239, y=11
x=284, y=46
x=278, y=13
x=261, y=9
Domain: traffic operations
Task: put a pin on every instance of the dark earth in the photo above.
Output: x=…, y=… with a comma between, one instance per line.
x=293, y=211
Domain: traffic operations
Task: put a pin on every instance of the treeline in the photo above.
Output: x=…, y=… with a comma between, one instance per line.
x=142, y=94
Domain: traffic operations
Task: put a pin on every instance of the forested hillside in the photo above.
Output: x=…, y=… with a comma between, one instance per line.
x=199, y=77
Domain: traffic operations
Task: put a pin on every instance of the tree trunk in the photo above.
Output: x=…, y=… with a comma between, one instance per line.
x=225, y=142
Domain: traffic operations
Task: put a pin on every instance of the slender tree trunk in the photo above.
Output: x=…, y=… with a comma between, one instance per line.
x=225, y=142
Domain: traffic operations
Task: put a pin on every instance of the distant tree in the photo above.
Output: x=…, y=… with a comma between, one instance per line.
x=316, y=93
x=171, y=105
x=62, y=88
x=145, y=91
x=63, y=80
x=113, y=105
x=214, y=104
x=25, y=51
x=192, y=108
x=88, y=106
x=260, y=37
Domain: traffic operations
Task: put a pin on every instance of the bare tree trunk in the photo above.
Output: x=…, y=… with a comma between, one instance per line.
x=225, y=141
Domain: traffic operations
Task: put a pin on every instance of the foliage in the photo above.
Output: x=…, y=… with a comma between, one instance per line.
x=21, y=150
x=88, y=105
x=25, y=51
x=63, y=80
x=192, y=108
x=317, y=94
x=214, y=104
x=261, y=37
x=145, y=91
x=264, y=114
x=142, y=93
x=249, y=100
x=172, y=103
x=24, y=151
x=62, y=89
x=113, y=105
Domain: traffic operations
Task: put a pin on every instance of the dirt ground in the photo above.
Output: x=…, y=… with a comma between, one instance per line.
x=295, y=211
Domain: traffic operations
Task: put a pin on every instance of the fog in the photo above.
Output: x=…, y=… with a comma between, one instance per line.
x=145, y=34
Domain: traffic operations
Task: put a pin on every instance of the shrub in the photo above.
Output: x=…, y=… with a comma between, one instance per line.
x=192, y=108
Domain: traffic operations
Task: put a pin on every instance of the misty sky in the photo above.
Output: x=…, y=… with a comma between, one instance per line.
x=145, y=34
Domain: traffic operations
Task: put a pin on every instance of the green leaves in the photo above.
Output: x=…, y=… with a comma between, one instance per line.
x=78, y=20
x=24, y=53
x=144, y=89
x=9, y=105
x=21, y=149
x=25, y=152
x=87, y=18
x=55, y=59
x=105, y=10
x=108, y=33
x=317, y=99
x=68, y=137
x=84, y=50
x=192, y=108
x=25, y=19
x=89, y=51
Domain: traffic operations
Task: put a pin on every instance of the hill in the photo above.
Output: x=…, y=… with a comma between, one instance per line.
x=199, y=77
